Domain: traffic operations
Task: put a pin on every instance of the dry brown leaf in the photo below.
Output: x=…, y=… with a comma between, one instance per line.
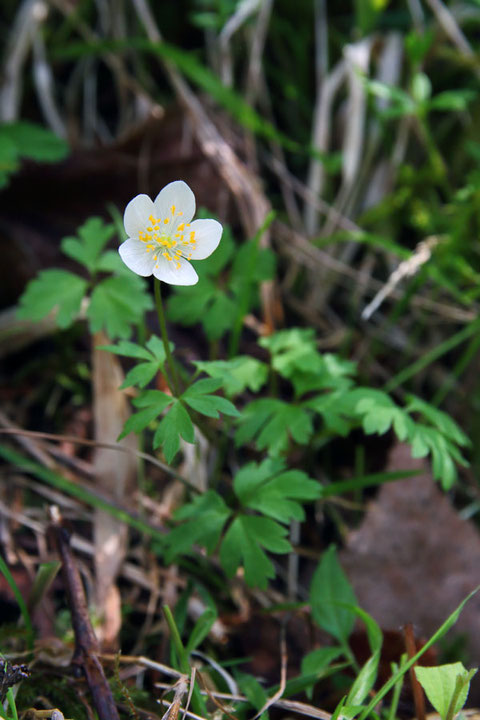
x=414, y=559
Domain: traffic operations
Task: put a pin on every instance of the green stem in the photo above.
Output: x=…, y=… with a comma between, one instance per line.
x=166, y=344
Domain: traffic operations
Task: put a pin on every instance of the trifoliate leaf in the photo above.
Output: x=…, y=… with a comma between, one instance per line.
x=205, y=518
x=336, y=410
x=296, y=357
x=282, y=496
x=330, y=589
x=87, y=247
x=271, y=423
x=57, y=289
x=243, y=545
x=117, y=303
x=175, y=424
x=264, y=487
x=237, y=374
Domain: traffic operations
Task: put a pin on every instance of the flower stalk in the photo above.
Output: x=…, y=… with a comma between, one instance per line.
x=174, y=384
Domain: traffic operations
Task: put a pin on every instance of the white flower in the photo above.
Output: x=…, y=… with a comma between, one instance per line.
x=162, y=238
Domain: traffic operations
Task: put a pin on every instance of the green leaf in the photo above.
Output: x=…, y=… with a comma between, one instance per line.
x=428, y=440
x=446, y=686
x=87, y=247
x=198, y=397
x=204, y=303
x=237, y=374
x=127, y=349
x=57, y=289
x=261, y=488
x=379, y=413
x=201, y=629
x=440, y=420
x=329, y=590
x=219, y=315
x=116, y=304
x=8, y=158
x=153, y=402
x=205, y=516
x=243, y=543
x=175, y=424
x=271, y=423
x=452, y=100
x=367, y=676
x=316, y=661
x=252, y=264
x=153, y=354
x=296, y=357
x=35, y=142
x=252, y=690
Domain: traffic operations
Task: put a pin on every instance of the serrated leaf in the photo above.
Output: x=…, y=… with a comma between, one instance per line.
x=205, y=518
x=202, y=387
x=439, y=419
x=243, y=543
x=175, y=424
x=116, y=304
x=197, y=397
x=274, y=493
x=271, y=423
x=153, y=403
x=139, y=421
x=237, y=374
x=87, y=247
x=127, y=349
x=379, y=413
x=329, y=590
x=57, y=289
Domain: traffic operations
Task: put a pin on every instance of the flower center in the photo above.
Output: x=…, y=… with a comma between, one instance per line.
x=169, y=238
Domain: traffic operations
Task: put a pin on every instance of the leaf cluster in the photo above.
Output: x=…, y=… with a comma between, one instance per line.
x=116, y=298
x=327, y=401
x=228, y=287
x=266, y=496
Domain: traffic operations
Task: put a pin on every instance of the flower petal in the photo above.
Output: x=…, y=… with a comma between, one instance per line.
x=136, y=217
x=207, y=237
x=167, y=271
x=136, y=257
x=176, y=195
